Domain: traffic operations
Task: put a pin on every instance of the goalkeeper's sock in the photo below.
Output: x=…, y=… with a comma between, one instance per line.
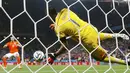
x=108, y=35
x=4, y=61
x=115, y=60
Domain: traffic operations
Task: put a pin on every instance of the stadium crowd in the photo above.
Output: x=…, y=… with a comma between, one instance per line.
x=78, y=53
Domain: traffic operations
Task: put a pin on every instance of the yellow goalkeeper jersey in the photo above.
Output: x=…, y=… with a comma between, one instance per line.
x=69, y=24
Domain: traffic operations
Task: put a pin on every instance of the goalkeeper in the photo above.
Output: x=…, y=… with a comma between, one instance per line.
x=69, y=24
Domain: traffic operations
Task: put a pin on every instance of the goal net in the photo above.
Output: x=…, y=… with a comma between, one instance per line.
x=28, y=21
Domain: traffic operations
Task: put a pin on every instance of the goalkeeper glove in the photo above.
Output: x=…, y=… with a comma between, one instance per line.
x=51, y=58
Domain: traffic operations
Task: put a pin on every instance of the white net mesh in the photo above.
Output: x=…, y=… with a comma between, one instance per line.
x=106, y=15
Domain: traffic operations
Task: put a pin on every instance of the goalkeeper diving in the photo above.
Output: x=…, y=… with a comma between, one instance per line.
x=68, y=24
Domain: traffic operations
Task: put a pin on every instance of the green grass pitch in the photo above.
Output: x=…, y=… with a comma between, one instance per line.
x=69, y=69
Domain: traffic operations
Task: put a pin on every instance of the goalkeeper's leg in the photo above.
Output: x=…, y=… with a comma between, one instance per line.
x=104, y=36
x=101, y=55
x=114, y=60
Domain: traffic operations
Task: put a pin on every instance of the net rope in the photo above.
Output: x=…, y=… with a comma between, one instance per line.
x=69, y=51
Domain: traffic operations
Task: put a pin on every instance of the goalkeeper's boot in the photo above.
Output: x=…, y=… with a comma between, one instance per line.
x=51, y=58
x=123, y=36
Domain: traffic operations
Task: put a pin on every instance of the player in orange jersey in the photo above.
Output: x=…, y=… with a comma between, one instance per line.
x=13, y=51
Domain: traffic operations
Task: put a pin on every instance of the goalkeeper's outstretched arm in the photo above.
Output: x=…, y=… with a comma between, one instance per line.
x=61, y=50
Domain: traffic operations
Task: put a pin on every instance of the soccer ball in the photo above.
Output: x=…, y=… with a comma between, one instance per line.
x=38, y=55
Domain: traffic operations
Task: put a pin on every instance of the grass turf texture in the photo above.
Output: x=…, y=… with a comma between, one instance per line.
x=58, y=68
